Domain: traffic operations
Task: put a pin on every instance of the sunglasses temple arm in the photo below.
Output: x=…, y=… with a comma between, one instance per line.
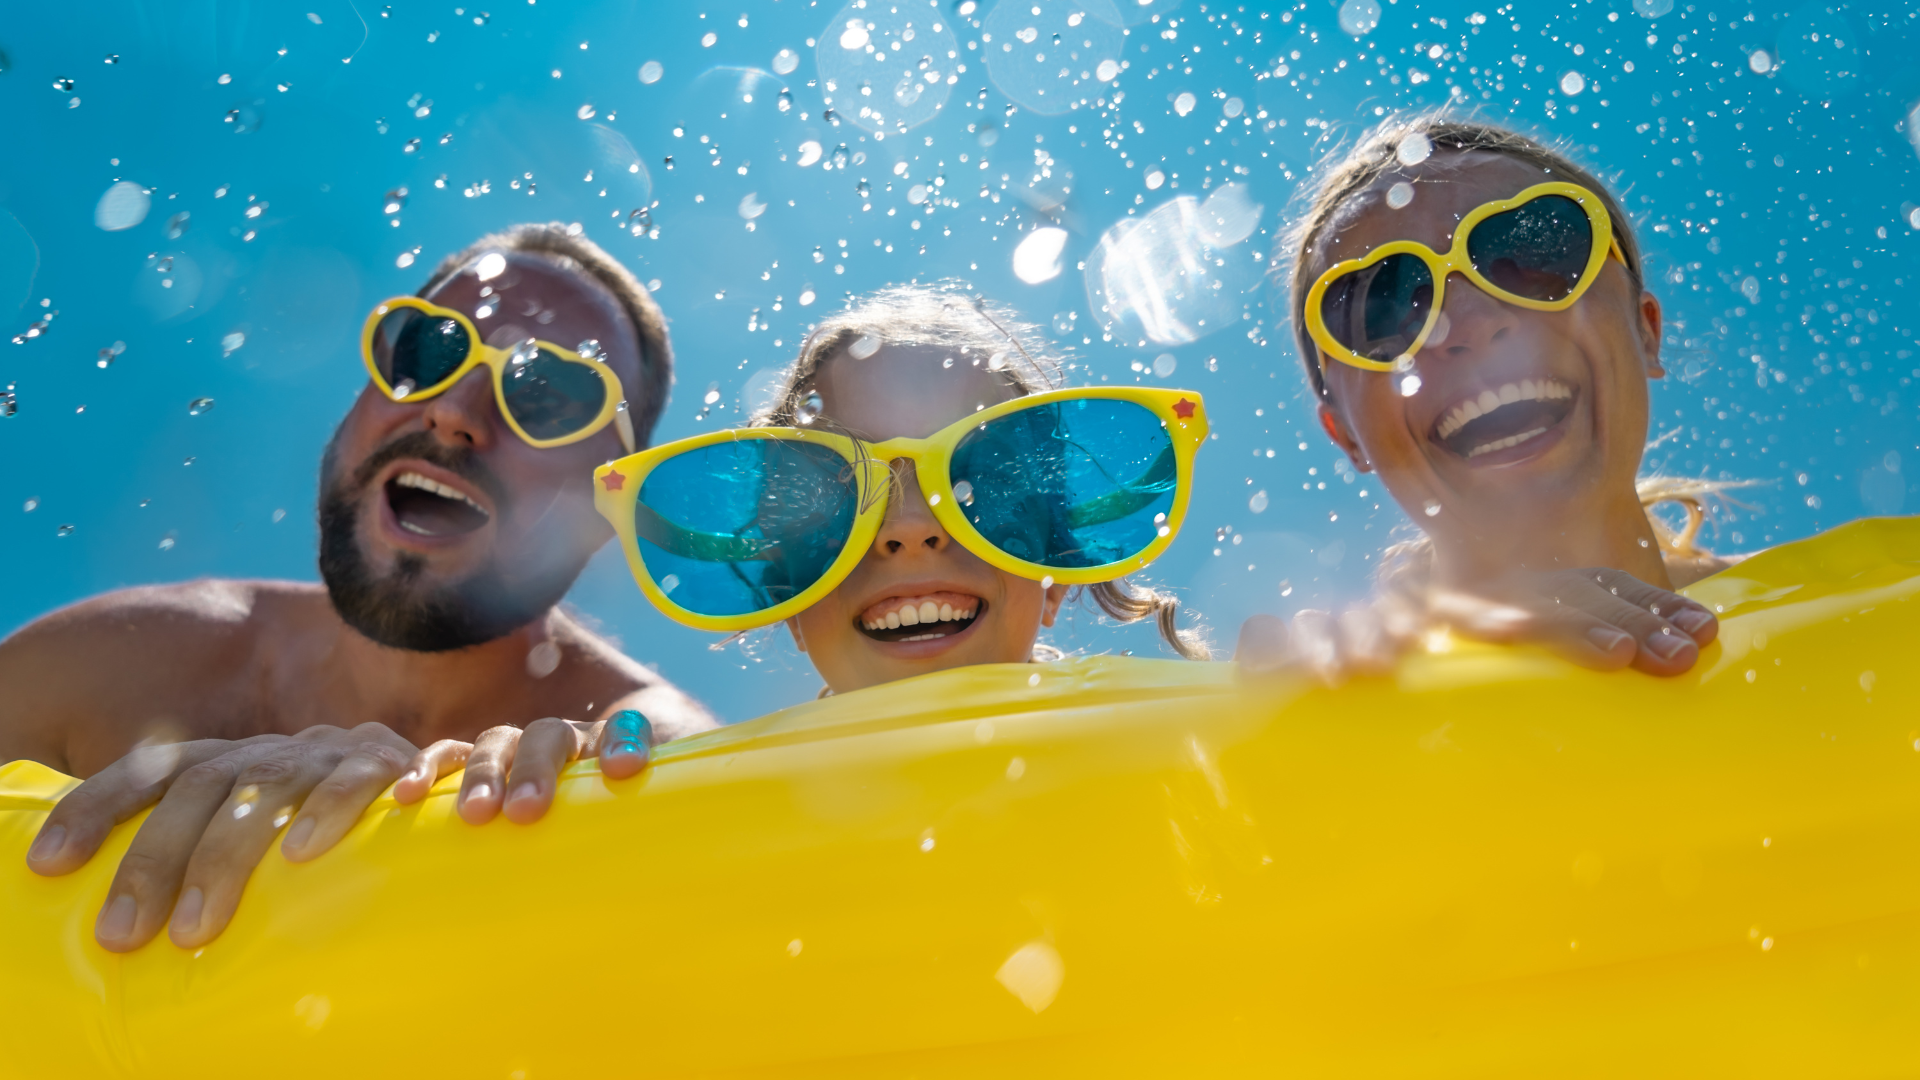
x=623, y=421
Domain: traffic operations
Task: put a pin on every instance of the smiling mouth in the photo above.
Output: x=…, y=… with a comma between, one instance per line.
x=1494, y=420
x=920, y=618
x=426, y=507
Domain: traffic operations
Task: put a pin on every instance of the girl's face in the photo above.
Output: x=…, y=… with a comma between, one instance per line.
x=918, y=602
x=1559, y=399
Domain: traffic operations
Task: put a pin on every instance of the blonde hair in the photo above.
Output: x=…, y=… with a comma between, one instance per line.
x=1343, y=173
x=1013, y=350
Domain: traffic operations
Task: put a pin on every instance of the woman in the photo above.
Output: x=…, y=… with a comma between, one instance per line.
x=1471, y=316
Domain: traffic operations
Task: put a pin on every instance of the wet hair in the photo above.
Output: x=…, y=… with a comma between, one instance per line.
x=567, y=247
x=948, y=314
x=1342, y=173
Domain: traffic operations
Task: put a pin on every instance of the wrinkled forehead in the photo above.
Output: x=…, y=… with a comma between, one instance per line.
x=512, y=296
x=1421, y=202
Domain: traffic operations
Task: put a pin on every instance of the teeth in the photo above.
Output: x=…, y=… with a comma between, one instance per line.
x=415, y=480
x=1487, y=401
x=1502, y=444
x=926, y=612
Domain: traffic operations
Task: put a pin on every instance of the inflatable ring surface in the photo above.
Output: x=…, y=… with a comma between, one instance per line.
x=1489, y=864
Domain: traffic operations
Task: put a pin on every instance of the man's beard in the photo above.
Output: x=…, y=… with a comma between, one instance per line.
x=401, y=609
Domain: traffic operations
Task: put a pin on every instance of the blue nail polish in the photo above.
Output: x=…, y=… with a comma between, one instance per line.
x=629, y=726
x=623, y=748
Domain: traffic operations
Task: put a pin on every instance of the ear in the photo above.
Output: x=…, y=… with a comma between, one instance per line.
x=1337, y=431
x=799, y=639
x=1651, y=324
x=1050, y=604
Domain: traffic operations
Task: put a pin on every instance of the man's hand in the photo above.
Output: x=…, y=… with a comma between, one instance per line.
x=517, y=771
x=220, y=805
x=1596, y=617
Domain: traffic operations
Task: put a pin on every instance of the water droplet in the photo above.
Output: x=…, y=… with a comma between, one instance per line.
x=669, y=583
x=1410, y=386
x=589, y=349
x=1359, y=17
x=1414, y=149
x=806, y=297
x=998, y=361
x=809, y=153
x=230, y=343
x=651, y=71
x=524, y=353
x=1164, y=364
x=543, y=659
x=396, y=201
x=1750, y=288
x=1760, y=61
x=124, y=205
x=256, y=210
x=177, y=225
x=864, y=346
x=712, y=396
x=1107, y=71
x=809, y=409
x=862, y=188
x=839, y=156
x=1432, y=508
x=490, y=266
x=1258, y=503
x=1233, y=107
x=1572, y=83
x=751, y=207
x=1652, y=9
x=1155, y=178
x=584, y=112
x=10, y=404
x=1184, y=103
x=1399, y=195
x=199, y=406
x=963, y=491
x=411, y=146
x=785, y=61
x=65, y=86
x=1037, y=258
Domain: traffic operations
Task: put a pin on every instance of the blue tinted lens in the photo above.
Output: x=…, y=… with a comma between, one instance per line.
x=739, y=527
x=1074, y=483
x=414, y=350
x=550, y=395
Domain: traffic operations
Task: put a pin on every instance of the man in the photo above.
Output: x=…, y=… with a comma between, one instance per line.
x=450, y=531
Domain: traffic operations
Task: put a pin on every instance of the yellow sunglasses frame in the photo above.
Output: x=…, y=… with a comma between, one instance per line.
x=612, y=409
x=617, y=485
x=1456, y=261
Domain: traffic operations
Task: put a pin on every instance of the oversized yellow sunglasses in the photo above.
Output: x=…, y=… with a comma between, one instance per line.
x=550, y=395
x=1541, y=249
x=742, y=528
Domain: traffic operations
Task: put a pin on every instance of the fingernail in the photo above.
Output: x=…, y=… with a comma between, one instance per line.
x=415, y=776
x=623, y=748
x=528, y=790
x=1606, y=638
x=630, y=726
x=48, y=844
x=477, y=792
x=298, y=836
x=186, y=913
x=116, y=919
x=1666, y=644
x=1692, y=620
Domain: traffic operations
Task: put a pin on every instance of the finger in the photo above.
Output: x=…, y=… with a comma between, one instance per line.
x=427, y=767
x=265, y=795
x=544, y=750
x=80, y=822
x=1689, y=616
x=1662, y=648
x=148, y=878
x=1263, y=645
x=625, y=743
x=484, y=787
x=1316, y=644
x=1366, y=646
x=336, y=803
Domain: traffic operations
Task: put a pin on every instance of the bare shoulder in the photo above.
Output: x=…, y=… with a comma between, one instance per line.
x=630, y=684
x=125, y=658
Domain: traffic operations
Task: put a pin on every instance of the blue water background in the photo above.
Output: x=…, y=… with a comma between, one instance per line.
x=1776, y=198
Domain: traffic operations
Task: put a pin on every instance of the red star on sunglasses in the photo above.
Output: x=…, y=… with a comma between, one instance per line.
x=614, y=481
x=1183, y=409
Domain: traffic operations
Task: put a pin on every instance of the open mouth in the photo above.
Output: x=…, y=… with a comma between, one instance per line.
x=1495, y=420
x=920, y=618
x=426, y=507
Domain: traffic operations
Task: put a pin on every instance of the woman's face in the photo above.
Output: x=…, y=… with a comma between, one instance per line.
x=1554, y=404
x=862, y=634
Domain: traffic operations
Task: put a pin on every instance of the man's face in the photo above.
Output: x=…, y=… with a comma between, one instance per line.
x=440, y=528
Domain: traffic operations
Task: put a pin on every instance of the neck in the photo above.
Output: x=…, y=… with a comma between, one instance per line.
x=426, y=696
x=1566, y=535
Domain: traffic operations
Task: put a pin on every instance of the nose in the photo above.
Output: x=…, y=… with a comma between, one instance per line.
x=465, y=415
x=1472, y=320
x=910, y=525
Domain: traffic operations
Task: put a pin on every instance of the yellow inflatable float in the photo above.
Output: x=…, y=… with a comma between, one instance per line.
x=1491, y=864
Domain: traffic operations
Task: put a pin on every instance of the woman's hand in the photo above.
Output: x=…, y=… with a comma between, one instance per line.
x=1596, y=617
x=517, y=771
